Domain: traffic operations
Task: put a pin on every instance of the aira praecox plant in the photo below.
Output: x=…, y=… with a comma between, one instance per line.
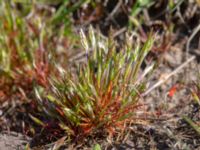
x=98, y=94
x=84, y=41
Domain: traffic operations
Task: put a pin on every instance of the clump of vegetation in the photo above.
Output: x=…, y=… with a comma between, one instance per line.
x=24, y=59
x=15, y=60
x=102, y=92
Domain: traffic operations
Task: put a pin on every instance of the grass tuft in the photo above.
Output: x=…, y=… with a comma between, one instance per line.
x=24, y=58
x=102, y=93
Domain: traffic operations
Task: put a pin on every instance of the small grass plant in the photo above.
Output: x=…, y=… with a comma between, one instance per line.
x=16, y=55
x=103, y=92
x=27, y=50
x=195, y=92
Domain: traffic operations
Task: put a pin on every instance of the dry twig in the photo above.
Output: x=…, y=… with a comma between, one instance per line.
x=196, y=30
x=168, y=76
